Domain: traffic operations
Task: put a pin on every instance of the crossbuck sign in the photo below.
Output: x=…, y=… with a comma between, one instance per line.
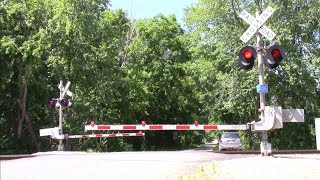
x=256, y=24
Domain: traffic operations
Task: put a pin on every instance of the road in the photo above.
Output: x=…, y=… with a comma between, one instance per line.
x=156, y=165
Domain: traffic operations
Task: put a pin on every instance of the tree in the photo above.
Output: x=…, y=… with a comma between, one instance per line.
x=43, y=42
x=21, y=30
x=215, y=29
x=157, y=59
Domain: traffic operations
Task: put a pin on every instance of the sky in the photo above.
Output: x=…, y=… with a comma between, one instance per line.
x=149, y=8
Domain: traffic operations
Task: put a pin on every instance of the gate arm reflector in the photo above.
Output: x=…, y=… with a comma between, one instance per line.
x=166, y=127
x=105, y=135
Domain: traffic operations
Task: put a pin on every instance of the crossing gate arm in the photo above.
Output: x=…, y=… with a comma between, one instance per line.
x=182, y=127
x=105, y=135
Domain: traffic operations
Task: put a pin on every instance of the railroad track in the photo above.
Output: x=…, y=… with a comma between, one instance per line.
x=273, y=152
x=19, y=156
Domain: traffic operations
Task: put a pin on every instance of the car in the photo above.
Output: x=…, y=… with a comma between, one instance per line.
x=230, y=141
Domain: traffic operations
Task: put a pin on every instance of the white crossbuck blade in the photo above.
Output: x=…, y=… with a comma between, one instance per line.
x=66, y=89
x=256, y=24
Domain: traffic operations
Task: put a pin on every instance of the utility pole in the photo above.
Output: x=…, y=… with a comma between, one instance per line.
x=264, y=141
x=60, y=146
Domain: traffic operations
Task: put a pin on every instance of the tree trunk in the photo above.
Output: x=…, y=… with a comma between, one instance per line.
x=23, y=98
x=22, y=101
x=29, y=127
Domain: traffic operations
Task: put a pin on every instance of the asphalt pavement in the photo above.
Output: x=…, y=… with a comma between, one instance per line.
x=155, y=165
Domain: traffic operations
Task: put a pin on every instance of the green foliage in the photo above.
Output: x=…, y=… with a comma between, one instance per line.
x=214, y=28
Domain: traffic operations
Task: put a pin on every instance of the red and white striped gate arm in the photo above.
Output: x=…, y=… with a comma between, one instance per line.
x=166, y=127
x=105, y=135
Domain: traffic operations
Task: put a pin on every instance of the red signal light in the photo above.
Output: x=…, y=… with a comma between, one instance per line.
x=143, y=123
x=51, y=104
x=247, y=54
x=196, y=123
x=276, y=53
x=66, y=103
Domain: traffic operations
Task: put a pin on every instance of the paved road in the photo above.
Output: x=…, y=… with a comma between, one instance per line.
x=116, y=165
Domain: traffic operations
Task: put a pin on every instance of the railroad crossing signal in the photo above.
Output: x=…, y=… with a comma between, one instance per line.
x=256, y=23
x=247, y=55
x=66, y=103
x=274, y=56
x=271, y=117
x=56, y=103
x=53, y=103
x=59, y=103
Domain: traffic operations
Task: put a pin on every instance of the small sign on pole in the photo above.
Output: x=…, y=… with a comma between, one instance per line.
x=262, y=88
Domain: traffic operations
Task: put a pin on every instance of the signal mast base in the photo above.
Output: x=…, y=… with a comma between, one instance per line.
x=265, y=148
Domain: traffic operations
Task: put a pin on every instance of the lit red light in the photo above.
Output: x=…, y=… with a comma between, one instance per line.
x=196, y=123
x=52, y=104
x=276, y=53
x=247, y=54
x=143, y=123
x=64, y=102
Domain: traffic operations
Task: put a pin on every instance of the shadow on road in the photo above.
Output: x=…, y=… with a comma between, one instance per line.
x=205, y=147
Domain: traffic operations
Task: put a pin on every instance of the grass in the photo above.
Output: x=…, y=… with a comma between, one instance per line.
x=204, y=172
x=215, y=149
x=207, y=171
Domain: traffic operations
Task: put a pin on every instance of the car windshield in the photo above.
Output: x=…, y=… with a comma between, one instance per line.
x=230, y=135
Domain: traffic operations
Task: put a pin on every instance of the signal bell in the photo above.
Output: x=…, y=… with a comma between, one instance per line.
x=247, y=55
x=274, y=56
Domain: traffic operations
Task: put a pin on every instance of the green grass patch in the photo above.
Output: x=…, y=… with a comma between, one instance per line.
x=215, y=149
x=204, y=172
